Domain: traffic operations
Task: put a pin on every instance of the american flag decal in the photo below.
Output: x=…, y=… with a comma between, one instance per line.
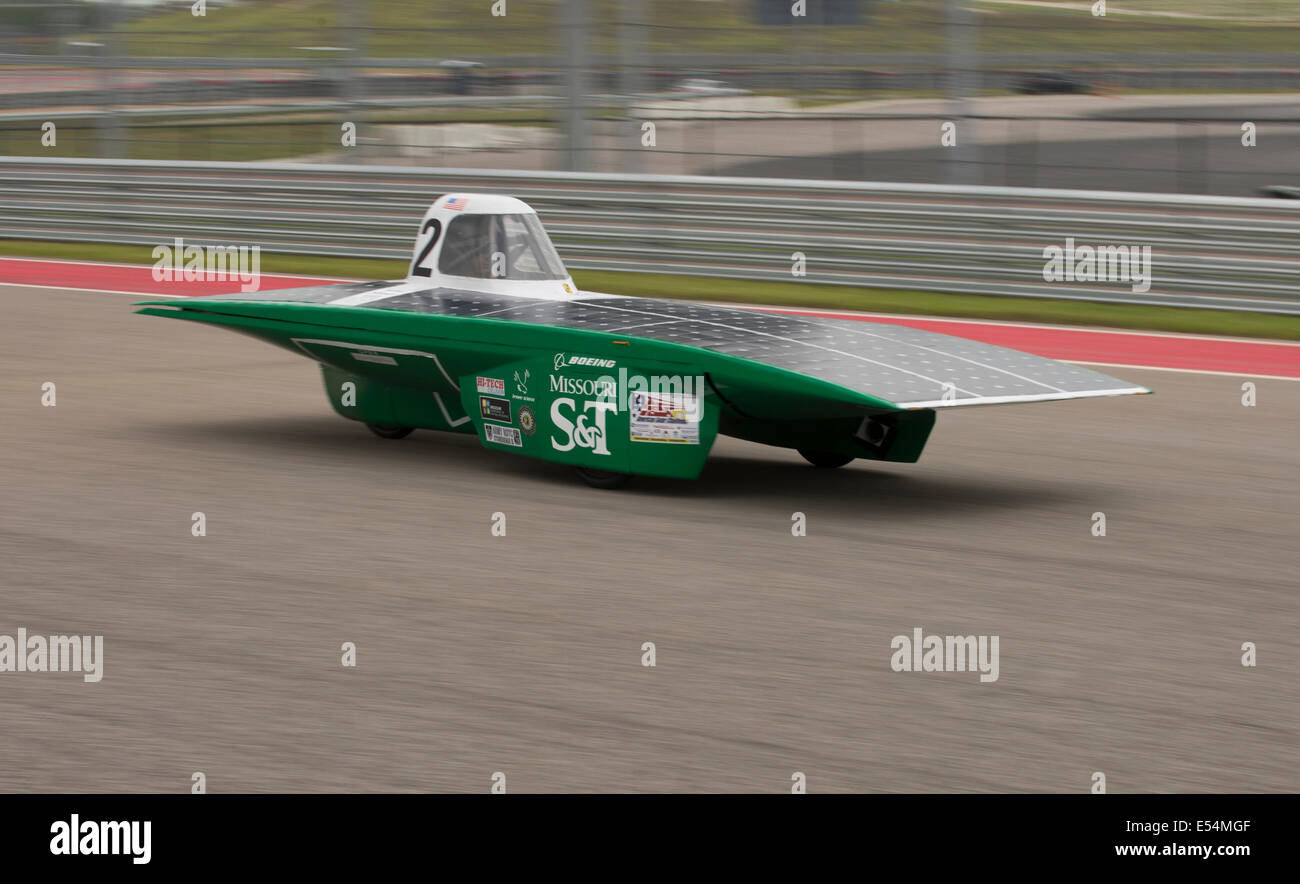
x=454, y=203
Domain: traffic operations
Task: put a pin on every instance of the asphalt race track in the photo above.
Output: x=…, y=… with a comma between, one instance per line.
x=522, y=654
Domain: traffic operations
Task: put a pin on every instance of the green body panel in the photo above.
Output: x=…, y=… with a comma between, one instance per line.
x=419, y=370
x=390, y=405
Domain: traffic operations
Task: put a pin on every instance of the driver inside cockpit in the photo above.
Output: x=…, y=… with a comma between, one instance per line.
x=499, y=247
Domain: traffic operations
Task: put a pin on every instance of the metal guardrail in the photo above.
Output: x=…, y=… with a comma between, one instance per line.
x=1212, y=252
x=1087, y=57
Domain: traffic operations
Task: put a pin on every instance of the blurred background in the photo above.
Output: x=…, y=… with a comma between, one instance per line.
x=1149, y=97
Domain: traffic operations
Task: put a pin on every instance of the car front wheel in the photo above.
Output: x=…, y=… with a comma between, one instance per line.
x=384, y=432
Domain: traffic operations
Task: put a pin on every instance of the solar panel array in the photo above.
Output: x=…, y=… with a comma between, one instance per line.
x=902, y=365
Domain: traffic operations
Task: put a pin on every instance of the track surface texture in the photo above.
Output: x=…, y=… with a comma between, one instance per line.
x=522, y=654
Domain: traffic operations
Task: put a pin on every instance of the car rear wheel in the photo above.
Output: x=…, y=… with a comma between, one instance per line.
x=602, y=478
x=384, y=432
x=827, y=460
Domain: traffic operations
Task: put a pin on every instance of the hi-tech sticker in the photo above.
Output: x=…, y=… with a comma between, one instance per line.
x=495, y=409
x=664, y=417
x=502, y=435
x=492, y=386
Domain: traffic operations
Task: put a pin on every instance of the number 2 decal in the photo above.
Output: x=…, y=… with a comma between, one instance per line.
x=418, y=268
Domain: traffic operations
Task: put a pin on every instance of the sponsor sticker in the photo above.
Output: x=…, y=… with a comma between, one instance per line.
x=527, y=421
x=491, y=386
x=495, y=409
x=502, y=435
x=564, y=361
x=605, y=387
x=664, y=417
x=579, y=426
x=522, y=379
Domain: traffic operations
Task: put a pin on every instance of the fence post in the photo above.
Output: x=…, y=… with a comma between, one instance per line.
x=574, y=23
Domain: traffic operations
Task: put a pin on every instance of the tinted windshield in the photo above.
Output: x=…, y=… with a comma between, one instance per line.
x=499, y=247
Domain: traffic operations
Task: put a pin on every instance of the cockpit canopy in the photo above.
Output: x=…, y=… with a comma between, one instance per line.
x=496, y=240
x=499, y=247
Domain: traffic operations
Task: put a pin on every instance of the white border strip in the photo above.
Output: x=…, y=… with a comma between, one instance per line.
x=1033, y=397
x=363, y=347
x=1229, y=374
